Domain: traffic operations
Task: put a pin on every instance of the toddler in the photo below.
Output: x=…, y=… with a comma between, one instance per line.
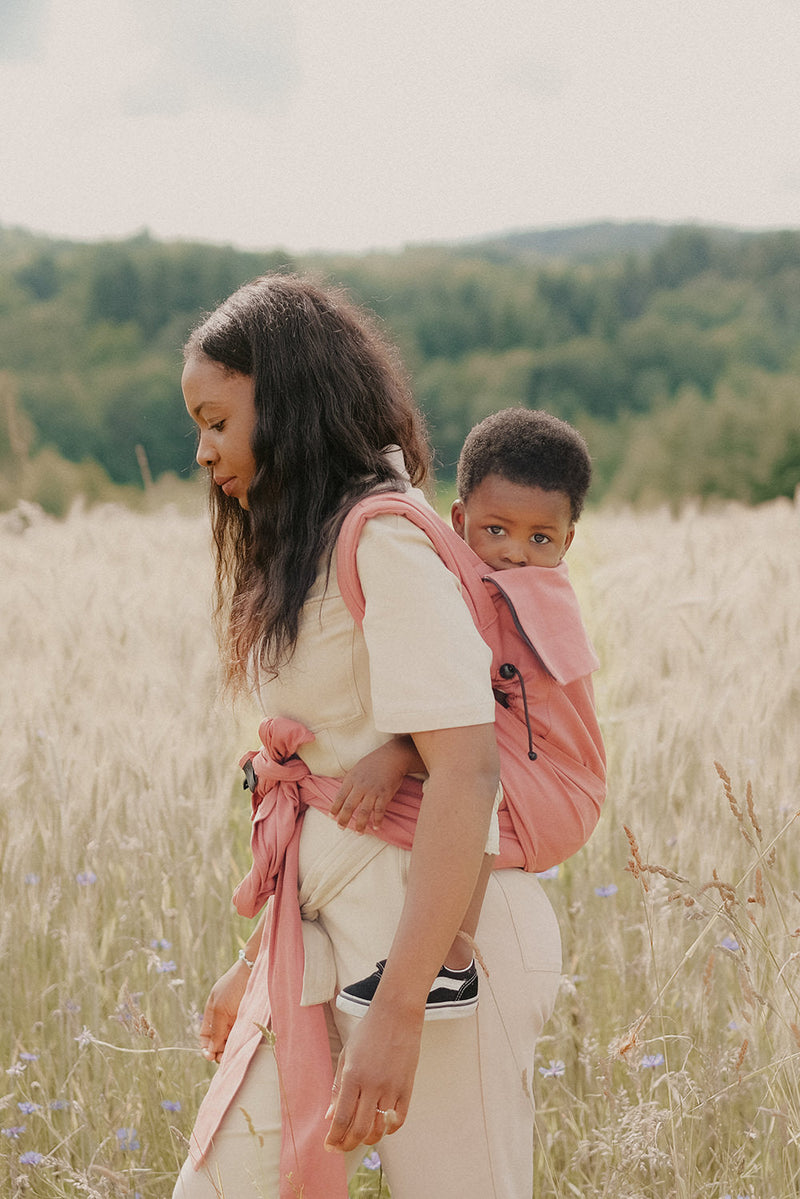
x=522, y=479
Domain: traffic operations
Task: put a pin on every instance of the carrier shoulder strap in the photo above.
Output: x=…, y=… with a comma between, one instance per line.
x=456, y=555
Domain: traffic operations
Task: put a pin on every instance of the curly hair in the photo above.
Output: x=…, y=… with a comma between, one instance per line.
x=529, y=447
x=330, y=395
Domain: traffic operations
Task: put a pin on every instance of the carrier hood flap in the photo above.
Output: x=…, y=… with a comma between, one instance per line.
x=545, y=608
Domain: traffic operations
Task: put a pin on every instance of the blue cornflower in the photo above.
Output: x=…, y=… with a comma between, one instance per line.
x=372, y=1161
x=605, y=891
x=29, y=1108
x=14, y=1132
x=554, y=1070
x=58, y=1105
x=551, y=873
x=128, y=1139
x=729, y=943
x=166, y=967
x=86, y=878
x=31, y=1158
x=31, y=879
x=160, y=943
x=171, y=1105
x=651, y=1060
x=29, y=1057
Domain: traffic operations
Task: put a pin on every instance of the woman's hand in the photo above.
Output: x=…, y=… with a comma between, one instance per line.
x=221, y=1008
x=374, y=1078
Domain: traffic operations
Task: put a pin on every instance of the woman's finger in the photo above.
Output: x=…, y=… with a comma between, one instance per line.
x=213, y=1034
x=385, y=1123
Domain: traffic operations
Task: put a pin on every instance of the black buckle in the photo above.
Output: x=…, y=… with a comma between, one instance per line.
x=250, y=777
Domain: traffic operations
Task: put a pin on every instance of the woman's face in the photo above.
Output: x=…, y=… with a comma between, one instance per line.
x=222, y=405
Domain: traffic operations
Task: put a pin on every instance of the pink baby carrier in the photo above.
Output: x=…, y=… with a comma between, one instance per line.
x=552, y=761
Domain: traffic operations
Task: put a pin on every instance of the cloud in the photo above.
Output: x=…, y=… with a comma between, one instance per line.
x=347, y=123
x=22, y=24
x=193, y=53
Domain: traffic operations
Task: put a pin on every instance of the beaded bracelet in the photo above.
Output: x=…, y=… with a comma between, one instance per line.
x=246, y=960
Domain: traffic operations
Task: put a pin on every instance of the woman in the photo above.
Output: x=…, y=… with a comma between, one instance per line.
x=301, y=409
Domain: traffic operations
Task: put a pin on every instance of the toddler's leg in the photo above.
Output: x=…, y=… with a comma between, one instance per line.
x=459, y=956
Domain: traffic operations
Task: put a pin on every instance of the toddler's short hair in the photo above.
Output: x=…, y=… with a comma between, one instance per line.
x=529, y=447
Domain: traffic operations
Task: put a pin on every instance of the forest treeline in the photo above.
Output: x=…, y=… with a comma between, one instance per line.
x=678, y=356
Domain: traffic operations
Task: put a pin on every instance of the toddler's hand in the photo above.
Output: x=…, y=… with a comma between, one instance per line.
x=368, y=788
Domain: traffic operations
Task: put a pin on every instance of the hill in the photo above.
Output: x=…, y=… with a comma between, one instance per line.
x=675, y=349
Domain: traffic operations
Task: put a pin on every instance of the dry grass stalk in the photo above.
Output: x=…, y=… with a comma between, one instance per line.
x=726, y=892
x=138, y=783
x=733, y=804
x=740, y=1058
x=751, y=811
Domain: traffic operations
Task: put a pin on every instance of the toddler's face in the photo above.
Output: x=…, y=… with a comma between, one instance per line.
x=511, y=524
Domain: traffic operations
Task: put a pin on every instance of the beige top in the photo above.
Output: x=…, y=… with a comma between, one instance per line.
x=418, y=663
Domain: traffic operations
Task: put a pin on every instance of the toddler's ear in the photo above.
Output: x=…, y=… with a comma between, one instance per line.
x=458, y=517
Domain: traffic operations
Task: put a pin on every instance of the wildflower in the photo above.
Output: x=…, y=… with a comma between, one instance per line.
x=31, y=1158
x=651, y=1060
x=28, y=1108
x=31, y=879
x=128, y=1139
x=85, y=1037
x=86, y=878
x=29, y=1057
x=554, y=1070
x=160, y=943
x=372, y=1161
x=605, y=891
x=551, y=873
x=730, y=943
x=14, y=1131
x=171, y=1105
x=17, y=1068
x=58, y=1105
x=166, y=967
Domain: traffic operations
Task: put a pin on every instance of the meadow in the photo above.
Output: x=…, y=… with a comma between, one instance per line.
x=670, y=1068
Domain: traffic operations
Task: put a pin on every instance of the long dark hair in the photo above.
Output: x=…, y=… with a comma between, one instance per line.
x=330, y=395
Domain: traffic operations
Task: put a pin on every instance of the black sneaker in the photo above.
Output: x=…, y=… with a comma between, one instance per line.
x=454, y=993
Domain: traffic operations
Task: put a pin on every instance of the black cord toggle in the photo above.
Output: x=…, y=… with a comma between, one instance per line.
x=508, y=671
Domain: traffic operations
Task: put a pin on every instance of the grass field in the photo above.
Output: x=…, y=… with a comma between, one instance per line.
x=671, y=1066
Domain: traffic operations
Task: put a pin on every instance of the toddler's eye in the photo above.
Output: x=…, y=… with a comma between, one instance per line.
x=217, y=428
x=540, y=538
x=495, y=530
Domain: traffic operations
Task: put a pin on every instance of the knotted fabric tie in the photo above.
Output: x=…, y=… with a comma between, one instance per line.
x=276, y=807
x=302, y=1049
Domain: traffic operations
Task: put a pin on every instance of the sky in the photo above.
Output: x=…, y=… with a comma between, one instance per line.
x=347, y=125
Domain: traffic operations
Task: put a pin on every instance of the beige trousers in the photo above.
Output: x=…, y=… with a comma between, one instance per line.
x=469, y=1131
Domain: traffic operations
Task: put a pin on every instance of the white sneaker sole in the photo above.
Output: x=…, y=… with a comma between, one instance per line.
x=441, y=1011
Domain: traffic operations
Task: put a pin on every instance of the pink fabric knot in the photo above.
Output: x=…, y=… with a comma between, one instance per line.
x=276, y=806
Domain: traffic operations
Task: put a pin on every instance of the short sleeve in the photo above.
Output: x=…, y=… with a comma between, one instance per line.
x=429, y=667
